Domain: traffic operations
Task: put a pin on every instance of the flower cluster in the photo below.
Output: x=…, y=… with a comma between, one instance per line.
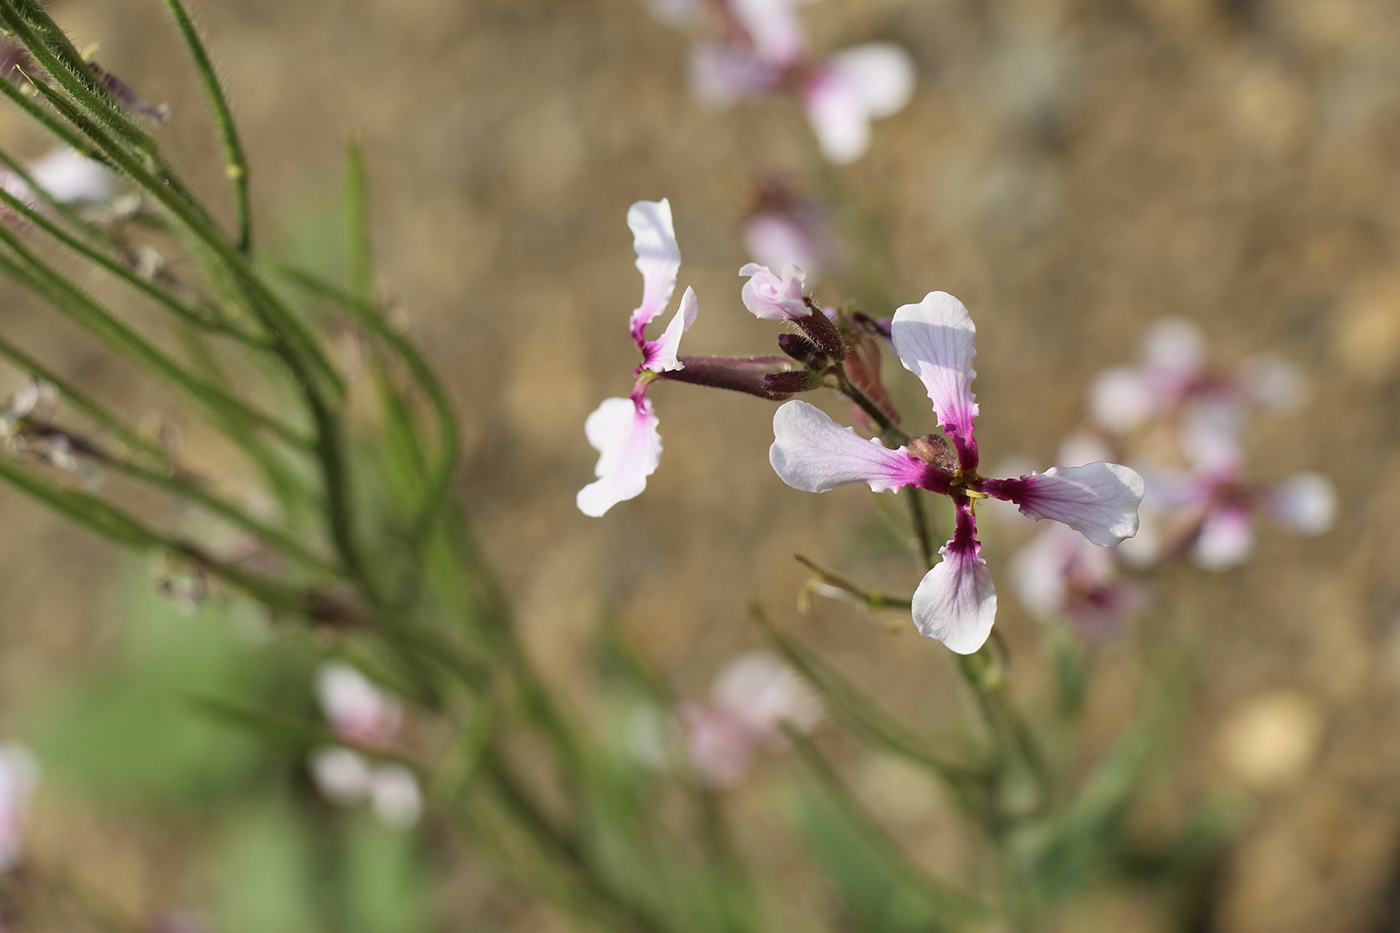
x=758, y=48
x=366, y=720
x=1181, y=423
x=1184, y=422
x=720, y=737
x=956, y=601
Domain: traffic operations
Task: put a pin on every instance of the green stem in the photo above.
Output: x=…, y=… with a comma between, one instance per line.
x=115, y=524
x=448, y=433
x=278, y=319
x=563, y=849
x=81, y=401
x=236, y=163
x=87, y=313
x=204, y=321
x=948, y=900
x=63, y=63
x=191, y=491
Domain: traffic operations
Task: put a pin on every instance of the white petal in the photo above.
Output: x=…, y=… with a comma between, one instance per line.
x=852, y=88
x=342, y=776
x=956, y=602
x=1305, y=502
x=1273, y=383
x=1174, y=348
x=358, y=710
x=1225, y=539
x=629, y=445
x=69, y=176
x=1120, y=400
x=19, y=777
x=764, y=692
x=776, y=31
x=658, y=257
x=662, y=351
x=395, y=795
x=1098, y=500
x=936, y=341
x=813, y=453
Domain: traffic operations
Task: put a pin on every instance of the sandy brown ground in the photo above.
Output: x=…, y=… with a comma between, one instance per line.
x=1071, y=169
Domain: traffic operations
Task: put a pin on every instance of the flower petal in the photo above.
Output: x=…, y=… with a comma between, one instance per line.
x=661, y=353
x=936, y=341
x=1121, y=399
x=1305, y=502
x=623, y=431
x=850, y=89
x=342, y=776
x=721, y=75
x=774, y=28
x=68, y=176
x=658, y=259
x=1225, y=539
x=956, y=602
x=813, y=453
x=775, y=298
x=764, y=692
x=397, y=799
x=1098, y=500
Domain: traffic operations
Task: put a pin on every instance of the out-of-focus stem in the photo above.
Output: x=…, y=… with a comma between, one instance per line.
x=236, y=164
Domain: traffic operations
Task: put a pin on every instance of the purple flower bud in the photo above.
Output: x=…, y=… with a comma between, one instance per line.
x=803, y=350
x=823, y=332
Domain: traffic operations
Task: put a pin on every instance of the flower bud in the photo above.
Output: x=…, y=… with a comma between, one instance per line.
x=803, y=350
x=823, y=332
x=781, y=385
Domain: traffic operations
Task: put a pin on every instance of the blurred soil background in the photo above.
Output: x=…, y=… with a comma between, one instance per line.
x=1073, y=170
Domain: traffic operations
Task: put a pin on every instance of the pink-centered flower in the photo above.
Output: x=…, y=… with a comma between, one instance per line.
x=752, y=697
x=624, y=430
x=762, y=49
x=956, y=601
x=1060, y=575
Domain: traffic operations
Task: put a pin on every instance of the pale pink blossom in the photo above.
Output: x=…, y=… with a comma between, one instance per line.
x=358, y=711
x=1061, y=575
x=847, y=91
x=624, y=430
x=774, y=297
x=19, y=778
x=751, y=699
x=761, y=48
x=784, y=228
x=956, y=601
